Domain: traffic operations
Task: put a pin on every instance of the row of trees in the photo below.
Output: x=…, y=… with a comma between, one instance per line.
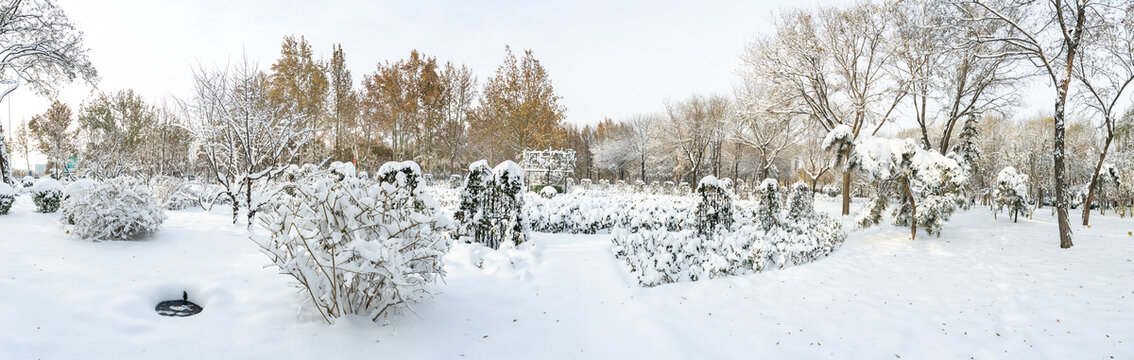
x=936, y=63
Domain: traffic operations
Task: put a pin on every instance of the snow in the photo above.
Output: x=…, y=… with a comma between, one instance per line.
x=47, y=184
x=6, y=190
x=77, y=186
x=986, y=289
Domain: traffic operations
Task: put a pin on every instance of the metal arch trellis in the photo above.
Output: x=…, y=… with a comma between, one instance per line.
x=548, y=167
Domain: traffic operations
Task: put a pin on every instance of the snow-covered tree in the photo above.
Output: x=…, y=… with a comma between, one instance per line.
x=356, y=246
x=39, y=46
x=508, y=181
x=470, y=214
x=242, y=134
x=1049, y=35
x=768, y=204
x=715, y=209
x=800, y=200
x=927, y=184
x=492, y=202
x=1011, y=192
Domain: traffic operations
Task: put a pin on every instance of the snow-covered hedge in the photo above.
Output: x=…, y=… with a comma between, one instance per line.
x=47, y=194
x=121, y=208
x=658, y=257
x=357, y=246
x=7, y=197
x=589, y=212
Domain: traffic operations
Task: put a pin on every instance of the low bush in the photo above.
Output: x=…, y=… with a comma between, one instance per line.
x=121, y=208
x=7, y=198
x=356, y=246
x=46, y=194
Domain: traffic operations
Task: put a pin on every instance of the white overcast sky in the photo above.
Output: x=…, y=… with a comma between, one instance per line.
x=605, y=58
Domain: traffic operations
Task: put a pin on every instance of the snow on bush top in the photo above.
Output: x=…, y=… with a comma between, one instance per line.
x=77, y=186
x=710, y=181
x=548, y=191
x=346, y=169
x=479, y=164
x=509, y=170
x=47, y=184
x=6, y=190
x=394, y=166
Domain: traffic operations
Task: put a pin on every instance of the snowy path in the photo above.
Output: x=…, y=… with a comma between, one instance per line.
x=986, y=289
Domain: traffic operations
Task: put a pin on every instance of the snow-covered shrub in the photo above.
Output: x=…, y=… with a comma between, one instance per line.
x=548, y=192
x=27, y=182
x=356, y=246
x=7, y=197
x=799, y=200
x=715, y=206
x=76, y=188
x=47, y=194
x=1011, y=192
x=121, y=208
x=768, y=210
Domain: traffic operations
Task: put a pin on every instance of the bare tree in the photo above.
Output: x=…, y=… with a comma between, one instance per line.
x=1106, y=71
x=41, y=47
x=761, y=124
x=1049, y=34
x=835, y=61
x=243, y=135
x=692, y=127
x=947, y=80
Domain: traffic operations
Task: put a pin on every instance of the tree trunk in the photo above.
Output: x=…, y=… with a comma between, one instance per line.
x=248, y=199
x=1060, y=169
x=1094, y=183
x=913, y=209
x=846, y=192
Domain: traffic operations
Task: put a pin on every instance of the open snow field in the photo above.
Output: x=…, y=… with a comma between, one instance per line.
x=987, y=289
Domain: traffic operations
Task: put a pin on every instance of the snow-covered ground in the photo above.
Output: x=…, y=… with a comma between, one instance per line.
x=986, y=289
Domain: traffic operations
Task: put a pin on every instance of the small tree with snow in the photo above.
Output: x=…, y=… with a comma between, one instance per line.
x=492, y=203
x=1011, y=192
x=47, y=194
x=355, y=246
x=799, y=200
x=715, y=208
x=927, y=184
x=470, y=215
x=768, y=204
x=121, y=208
x=508, y=180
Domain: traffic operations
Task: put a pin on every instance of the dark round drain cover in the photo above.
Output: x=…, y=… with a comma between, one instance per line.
x=178, y=308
